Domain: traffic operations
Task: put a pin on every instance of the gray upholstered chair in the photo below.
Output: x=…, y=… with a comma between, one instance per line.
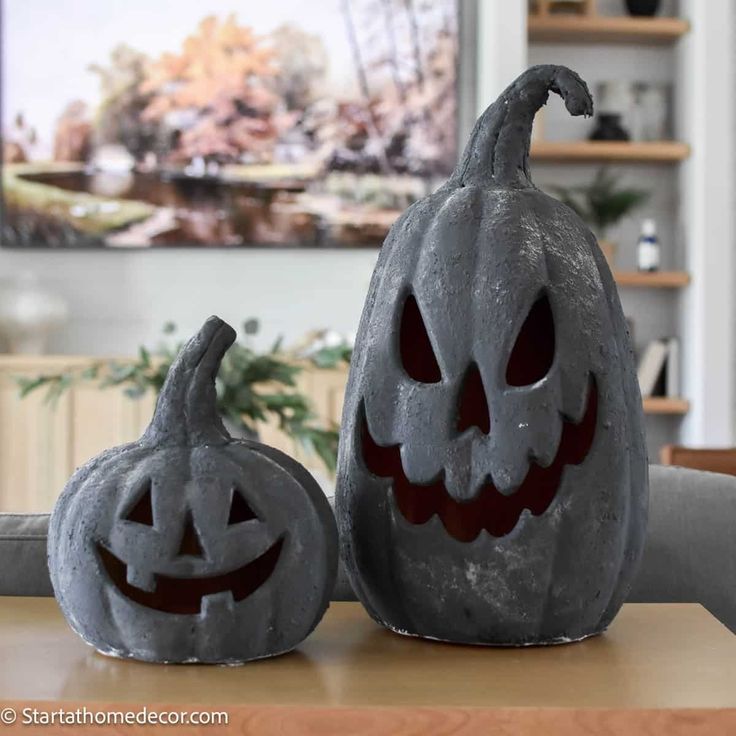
x=690, y=554
x=23, y=569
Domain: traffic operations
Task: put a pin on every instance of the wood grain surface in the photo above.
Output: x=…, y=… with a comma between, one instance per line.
x=660, y=669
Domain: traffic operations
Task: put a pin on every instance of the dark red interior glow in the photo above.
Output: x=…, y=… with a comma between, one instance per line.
x=417, y=355
x=190, y=544
x=473, y=405
x=184, y=595
x=490, y=509
x=240, y=511
x=142, y=511
x=534, y=349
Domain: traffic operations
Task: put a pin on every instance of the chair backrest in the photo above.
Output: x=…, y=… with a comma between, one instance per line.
x=690, y=551
x=712, y=460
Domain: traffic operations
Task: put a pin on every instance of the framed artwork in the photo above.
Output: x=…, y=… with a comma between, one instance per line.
x=154, y=123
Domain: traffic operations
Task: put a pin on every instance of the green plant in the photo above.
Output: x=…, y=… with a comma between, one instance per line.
x=251, y=386
x=601, y=203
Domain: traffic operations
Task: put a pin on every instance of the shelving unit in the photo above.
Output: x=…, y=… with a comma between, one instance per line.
x=587, y=30
x=605, y=29
x=655, y=152
x=655, y=280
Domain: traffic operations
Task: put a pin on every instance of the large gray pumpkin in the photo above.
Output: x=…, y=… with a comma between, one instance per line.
x=189, y=546
x=492, y=479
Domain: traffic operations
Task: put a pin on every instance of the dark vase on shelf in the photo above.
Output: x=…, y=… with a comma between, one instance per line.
x=642, y=7
x=608, y=127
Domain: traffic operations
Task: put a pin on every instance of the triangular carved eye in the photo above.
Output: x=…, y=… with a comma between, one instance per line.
x=417, y=355
x=534, y=349
x=240, y=511
x=142, y=511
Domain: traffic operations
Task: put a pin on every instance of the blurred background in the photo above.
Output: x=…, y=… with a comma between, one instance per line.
x=162, y=163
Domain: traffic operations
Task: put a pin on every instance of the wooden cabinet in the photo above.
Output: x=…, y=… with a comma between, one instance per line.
x=41, y=445
x=325, y=389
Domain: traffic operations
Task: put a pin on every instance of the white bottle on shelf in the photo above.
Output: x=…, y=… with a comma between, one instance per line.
x=647, y=252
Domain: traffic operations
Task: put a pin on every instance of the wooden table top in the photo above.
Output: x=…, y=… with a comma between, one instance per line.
x=664, y=657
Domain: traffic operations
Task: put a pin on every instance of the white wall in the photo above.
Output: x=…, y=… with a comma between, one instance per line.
x=708, y=181
x=118, y=300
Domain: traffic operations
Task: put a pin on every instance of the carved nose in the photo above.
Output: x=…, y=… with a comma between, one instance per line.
x=473, y=405
x=190, y=544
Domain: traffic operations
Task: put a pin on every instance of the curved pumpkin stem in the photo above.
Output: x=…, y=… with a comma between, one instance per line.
x=497, y=153
x=186, y=410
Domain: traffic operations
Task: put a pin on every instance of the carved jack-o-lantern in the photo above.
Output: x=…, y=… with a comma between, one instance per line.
x=189, y=545
x=492, y=482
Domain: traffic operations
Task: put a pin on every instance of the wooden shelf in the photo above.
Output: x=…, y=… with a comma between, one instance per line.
x=656, y=280
x=605, y=29
x=664, y=405
x=657, y=152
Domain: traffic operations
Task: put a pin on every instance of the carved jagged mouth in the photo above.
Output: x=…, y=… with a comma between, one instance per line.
x=184, y=595
x=490, y=510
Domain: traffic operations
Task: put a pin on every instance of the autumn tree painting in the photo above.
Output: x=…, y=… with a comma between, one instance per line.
x=217, y=92
x=312, y=132
x=120, y=114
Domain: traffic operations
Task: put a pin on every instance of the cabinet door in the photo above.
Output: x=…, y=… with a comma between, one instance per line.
x=35, y=449
x=41, y=445
x=104, y=419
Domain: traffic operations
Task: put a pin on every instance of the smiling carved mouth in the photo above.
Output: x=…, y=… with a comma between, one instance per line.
x=184, y=595
x=490, y=510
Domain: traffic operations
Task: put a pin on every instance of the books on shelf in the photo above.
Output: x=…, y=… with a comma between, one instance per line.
x=673, y=389
x=659, y=368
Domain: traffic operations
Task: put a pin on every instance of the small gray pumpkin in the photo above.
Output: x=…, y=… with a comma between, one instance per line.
x=492, y=478
x=189, y=546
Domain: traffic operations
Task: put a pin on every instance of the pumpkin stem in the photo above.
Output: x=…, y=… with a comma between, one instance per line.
x=497, y=153
x=186, y=411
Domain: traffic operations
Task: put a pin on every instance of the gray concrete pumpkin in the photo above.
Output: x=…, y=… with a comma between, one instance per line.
x=188, y=545
x=492, y=481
